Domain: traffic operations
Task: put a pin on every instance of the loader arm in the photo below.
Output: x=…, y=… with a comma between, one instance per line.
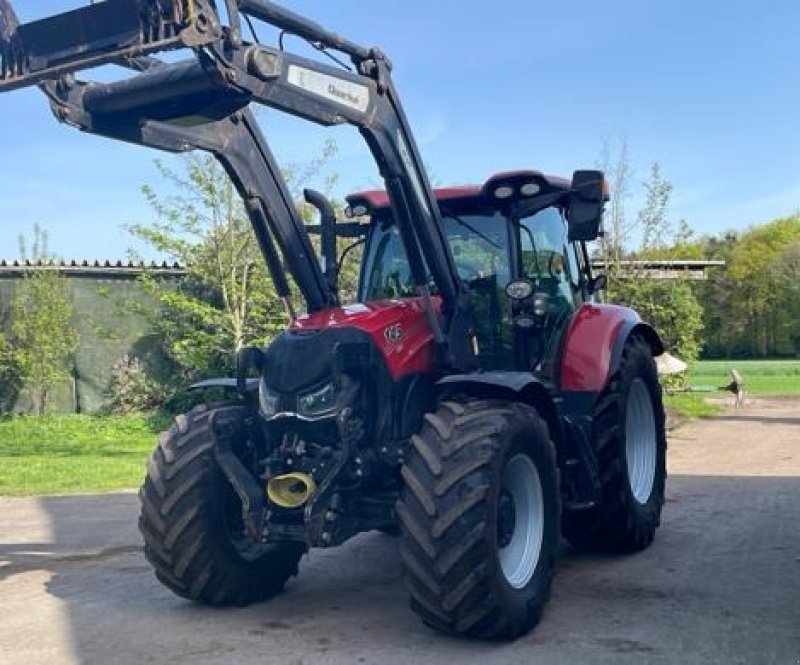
x=201, y=103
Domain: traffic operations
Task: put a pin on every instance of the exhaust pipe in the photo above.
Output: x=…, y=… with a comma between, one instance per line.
x=291, y=490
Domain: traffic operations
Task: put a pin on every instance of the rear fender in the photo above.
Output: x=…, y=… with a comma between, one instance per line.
x=594, y=343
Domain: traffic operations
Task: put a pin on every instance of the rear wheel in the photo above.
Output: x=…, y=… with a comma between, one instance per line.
x=191, y=519
x=479, y=515
x=631, y=444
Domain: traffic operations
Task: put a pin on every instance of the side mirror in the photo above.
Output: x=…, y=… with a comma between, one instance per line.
x=597, y=284
x=587, y=198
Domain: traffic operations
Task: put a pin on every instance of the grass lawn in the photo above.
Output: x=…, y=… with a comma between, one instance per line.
x=762, y=377
x=691, y=405
x=67, y=454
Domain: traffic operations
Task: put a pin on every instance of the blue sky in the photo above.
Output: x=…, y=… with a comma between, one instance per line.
x=710, y=90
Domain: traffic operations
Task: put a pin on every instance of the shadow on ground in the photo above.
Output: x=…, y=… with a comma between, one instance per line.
x=720, y=585
x=762, y=419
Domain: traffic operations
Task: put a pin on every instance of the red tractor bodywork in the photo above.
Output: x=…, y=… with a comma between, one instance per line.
x=593, y=337
x=399, y=328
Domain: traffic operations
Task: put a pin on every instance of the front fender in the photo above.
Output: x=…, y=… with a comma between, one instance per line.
x=594, y=343
x=516, y=386
x=516, y=382
x=224, y=383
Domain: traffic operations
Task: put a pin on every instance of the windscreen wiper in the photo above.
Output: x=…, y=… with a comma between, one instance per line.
x=458, y=220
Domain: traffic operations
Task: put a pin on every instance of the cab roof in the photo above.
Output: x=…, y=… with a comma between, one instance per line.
x=377, y=199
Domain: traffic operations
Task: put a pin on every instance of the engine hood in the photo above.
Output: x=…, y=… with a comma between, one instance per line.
x=398, y=328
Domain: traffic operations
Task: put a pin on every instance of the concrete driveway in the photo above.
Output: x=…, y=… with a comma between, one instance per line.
x=721, y=584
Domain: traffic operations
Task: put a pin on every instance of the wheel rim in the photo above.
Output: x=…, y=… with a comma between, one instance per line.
x=521, y=532
x=640, y=441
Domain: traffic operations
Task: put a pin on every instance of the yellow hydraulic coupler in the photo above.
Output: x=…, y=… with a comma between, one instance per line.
x=290, y=490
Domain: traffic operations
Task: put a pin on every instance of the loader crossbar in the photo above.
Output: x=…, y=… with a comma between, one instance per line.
x=111, y=31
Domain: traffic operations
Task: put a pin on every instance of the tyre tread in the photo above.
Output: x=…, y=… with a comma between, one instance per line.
x=443, y=514
x=179, y=516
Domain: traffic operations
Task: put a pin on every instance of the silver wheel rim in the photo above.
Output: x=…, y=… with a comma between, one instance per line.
x=519, y=557
x=640, y=441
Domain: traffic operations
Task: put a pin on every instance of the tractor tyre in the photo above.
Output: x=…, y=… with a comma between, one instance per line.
x=480, y=518
x=191, y=519
x=630, y=444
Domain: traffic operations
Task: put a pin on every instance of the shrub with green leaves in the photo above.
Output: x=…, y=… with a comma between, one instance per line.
x=130, y=389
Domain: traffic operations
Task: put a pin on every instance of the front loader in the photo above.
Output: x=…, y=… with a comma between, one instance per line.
x=476, y=398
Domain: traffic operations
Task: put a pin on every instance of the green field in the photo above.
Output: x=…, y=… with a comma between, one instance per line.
x=67, y=454
x=762, y=377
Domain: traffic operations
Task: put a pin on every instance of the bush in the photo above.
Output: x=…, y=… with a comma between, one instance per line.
x=671, y=307
x=130, y=389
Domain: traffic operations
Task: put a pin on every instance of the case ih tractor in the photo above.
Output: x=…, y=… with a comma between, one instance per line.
x=476, y=398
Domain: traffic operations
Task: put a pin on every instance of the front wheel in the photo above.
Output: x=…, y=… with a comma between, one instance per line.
x=630, y=443
x=191, y=519
x=480, y=515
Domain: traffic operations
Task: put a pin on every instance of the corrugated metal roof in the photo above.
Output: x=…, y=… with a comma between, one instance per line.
x=55, y=263
x=87, y=267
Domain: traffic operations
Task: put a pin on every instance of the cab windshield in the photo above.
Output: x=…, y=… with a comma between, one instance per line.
x=479, y=244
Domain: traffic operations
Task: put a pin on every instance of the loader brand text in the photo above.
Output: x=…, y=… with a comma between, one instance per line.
x=344, y=96
x=346, y=93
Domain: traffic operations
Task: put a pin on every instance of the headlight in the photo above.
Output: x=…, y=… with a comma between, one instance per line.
x=318, y=403
x=267, y=400
x=520, y=289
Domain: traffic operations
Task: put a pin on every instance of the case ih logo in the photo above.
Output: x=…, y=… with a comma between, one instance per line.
x=393, y=334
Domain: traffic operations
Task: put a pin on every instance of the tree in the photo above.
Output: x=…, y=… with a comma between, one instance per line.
x=717, y=295
x=227, y=300
x=762, y=304
x=786, y=272
x=671, y=306
x=10, y=379
x=652, y=218
x=43, y=338
x=616, y=226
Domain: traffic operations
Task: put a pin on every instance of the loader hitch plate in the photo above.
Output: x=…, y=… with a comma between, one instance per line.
x=98, y=34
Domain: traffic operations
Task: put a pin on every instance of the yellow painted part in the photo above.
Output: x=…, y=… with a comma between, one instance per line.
x=291, y=490
x=190, y=12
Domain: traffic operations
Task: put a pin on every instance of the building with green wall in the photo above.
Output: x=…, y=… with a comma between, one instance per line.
x=108, y=326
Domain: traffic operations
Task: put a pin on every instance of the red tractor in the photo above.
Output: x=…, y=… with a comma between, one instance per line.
x=476, y=399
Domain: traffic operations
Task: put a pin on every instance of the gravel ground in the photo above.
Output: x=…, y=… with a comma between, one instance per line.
x=721, y=584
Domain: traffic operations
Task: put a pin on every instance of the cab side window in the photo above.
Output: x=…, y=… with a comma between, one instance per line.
x=389, y=274
x=546, y=257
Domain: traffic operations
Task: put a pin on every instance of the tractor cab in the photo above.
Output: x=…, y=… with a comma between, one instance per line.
x=511, y=244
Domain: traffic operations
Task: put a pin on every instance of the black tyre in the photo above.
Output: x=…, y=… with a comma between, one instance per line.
x=392, y=530
x=631, y=445
x=480, y=519
x=191, y=520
